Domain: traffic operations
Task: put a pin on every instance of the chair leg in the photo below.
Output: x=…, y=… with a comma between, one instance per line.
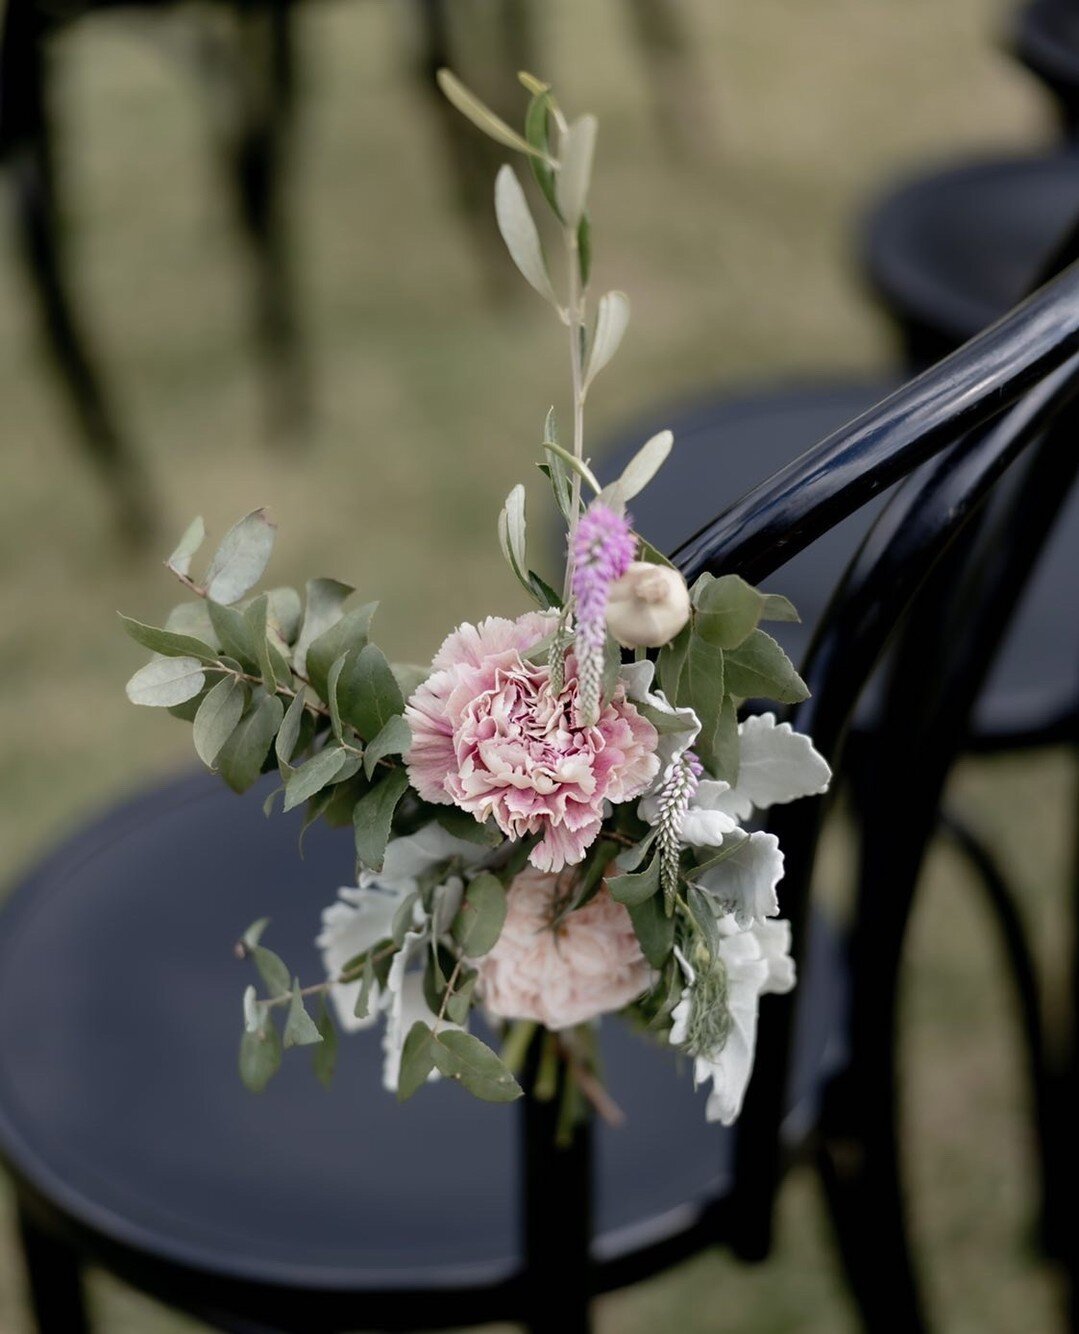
x=54, y=1278
x=258, y=155
x=557, y=1203
x=859, y=1151
x=37, y=224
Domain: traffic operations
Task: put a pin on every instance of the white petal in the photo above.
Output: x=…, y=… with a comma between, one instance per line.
x=776, y=765
x=637, y=677
x=411, y=856
x=730, y=1069
x=358, y=919
x=409, y=1006
x=774, y=938
x=744, y=884
x=706, y=822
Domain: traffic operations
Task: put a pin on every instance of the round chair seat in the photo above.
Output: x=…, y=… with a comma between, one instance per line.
x=951, y=252
x=122, y=1113
x=725, y=445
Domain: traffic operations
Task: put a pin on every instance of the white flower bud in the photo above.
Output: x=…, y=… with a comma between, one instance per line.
x=648, y=606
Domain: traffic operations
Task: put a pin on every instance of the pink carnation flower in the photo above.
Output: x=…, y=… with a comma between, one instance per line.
x=489, y=736
x=590, y=964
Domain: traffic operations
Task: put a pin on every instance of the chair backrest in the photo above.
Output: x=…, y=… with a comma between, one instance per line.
x=955, y=433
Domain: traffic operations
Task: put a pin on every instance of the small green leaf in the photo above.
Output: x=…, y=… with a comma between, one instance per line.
x=632, y=889
x=194, y=534
x=612, y=318
x=284, y=614
x=671, y=663
x=519, y=233
x=323, y=608
x=479, y=919
x=701, y=687
x=584, y=249
x=394, y=739
x=289, y=734
x=630, y=858
x=537, y=134
x=726, y=750
x=272, y=970
x=240, y=560
x=300, y=1029
x=167, y=642
x=240, y=759
x=462, y=825
x=778, y=608
x=511, y=534
x=543, y=592
x=470, y=106
x=234, y=632
x=373, y=815
x=368, y=695
x=312, y=777
x=655, y=930
x=759, y=669
x=417, y=1060
x=166, y=682
x=727, y=610
x=575, y=174
x=260, y=1057
x=642, y=467
x=217, y=717
x=465, y=1058
x=325, y=1055
x=348, y=632
x=255, y=616
x=363, y=997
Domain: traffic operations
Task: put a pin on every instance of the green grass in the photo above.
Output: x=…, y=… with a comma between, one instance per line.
x=738, y=262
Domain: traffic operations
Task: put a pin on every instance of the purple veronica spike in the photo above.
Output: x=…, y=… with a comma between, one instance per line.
x=603, y=549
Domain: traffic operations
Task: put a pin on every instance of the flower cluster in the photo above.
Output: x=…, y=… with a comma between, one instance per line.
x=549, y=825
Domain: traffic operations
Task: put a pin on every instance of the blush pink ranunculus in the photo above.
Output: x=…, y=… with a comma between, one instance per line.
x=489, y=736
x=589, y=964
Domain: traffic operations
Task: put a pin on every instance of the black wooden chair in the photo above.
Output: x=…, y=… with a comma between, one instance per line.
x=132, y=1146
x=1045, y=37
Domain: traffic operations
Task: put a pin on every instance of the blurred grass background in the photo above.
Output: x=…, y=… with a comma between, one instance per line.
x=430, y=401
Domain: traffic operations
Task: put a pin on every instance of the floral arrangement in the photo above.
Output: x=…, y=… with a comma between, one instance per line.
x=555, y=820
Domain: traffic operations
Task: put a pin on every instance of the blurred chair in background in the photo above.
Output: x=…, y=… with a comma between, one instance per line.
x=252, y=75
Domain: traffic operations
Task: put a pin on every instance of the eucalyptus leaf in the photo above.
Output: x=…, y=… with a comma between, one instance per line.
x=575, y=174
x=726, y=749
x=288, y=735
x=409, y=676
x=519, y=232
x=373, y=815
x=759, y=668
x=300, y=1028
x=612, y=317
x=463, y=1057
x=368, y=695
x=166, y=681
x=333, y=678
x=630, y=858
x=240, y=759
x=480, y=918
x=260, y=1057
x=272, y=970
x=394, y=739
x=217, y=717
x=167, y=642
x=284, y=614
x=193, y=619
x=727, y=610
x=239, y=562
x=633, y=888
x=325, y=1054
x=323, y=607
x=671, y=663
x=234, y=631
x=778, y=608
x=417, y=1060
x=313, y=776
x=462, y=825
x=655, y=930
x=194, y=535
x=349, y=631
